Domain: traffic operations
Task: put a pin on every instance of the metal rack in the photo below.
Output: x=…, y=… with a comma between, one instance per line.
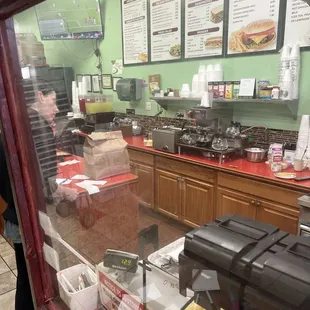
x=221, y=154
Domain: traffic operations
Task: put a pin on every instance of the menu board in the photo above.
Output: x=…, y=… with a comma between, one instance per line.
x=203, y=28
x=252, y=26
x=135, y=31
x=165, y=19
x=297, y=24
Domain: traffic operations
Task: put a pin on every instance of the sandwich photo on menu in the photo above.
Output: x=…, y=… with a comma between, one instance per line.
x=214, y=42
x=217, y=14
x=258, y=35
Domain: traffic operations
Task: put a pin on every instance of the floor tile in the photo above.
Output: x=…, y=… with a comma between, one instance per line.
x=7, y=282
x=7, y=300
x=15, y=272
x=2, y=240
x=90, y=243
x=6, y=249
x=3, y=267
x=10, y=261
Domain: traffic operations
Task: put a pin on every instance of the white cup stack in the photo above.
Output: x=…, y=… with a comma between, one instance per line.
x=185, y=91
x=205, y=100
x=195, y=86
x=75, y=98
x=218, y=72
x=286, y=92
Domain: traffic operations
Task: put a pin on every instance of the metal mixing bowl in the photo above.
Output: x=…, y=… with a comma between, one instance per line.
x=255, y=154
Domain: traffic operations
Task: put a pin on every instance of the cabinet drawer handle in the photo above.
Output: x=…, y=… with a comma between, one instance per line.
x=253, y=202
x=258, y=203
x=132, y=165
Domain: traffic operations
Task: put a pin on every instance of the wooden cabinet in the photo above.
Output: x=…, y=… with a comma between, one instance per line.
x=195, y=194
x=231, y=202
x=145, y=176
x=270, y=212
x=184, y=199
x=142, y=165
x=281, y=216
x=168, y=194
x=197, y=202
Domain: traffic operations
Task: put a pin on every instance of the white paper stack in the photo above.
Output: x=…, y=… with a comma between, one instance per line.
x=303, y=143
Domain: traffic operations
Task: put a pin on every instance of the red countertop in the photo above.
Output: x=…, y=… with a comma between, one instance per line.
x=67, y=172
x=242, y=167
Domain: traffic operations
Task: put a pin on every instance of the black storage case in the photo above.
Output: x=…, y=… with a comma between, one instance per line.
x=259, y=266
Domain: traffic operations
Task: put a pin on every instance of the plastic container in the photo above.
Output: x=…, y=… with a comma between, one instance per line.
x=275, y=94
x=99, y=104
x=86, y=299
x=82, y=103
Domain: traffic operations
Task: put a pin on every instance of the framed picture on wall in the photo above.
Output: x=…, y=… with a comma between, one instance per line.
x=96, y=83
x=89, y=82
x=115, y=80
x=107, y=81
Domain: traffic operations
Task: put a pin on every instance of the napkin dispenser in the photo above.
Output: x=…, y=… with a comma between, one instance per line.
x=129, y=89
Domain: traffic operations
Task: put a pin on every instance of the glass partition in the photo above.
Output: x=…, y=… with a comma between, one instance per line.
x=117, y=206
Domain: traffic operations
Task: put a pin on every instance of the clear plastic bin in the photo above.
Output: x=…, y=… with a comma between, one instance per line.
x=86, y=299
x=98, y=103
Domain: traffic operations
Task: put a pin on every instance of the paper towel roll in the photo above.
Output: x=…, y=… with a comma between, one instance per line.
x=303, y=138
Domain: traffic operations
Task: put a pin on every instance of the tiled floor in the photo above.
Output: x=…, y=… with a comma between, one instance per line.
x=7, y=275
x=92, y=243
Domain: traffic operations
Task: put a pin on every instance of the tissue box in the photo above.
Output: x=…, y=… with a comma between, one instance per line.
x=105, y=155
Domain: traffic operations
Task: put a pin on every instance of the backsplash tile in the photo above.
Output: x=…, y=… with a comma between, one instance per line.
x=260, y=135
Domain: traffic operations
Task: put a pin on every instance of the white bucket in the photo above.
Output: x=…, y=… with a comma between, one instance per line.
x=86, y=299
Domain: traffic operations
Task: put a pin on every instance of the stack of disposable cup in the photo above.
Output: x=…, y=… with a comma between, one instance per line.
x=218, y=73
x=202, y=69
x=84, y=85
x=210, y=73
x=75, y=98
x=284, y=63
x=205, y=100
x=201, y=83
x=195, y=87
x=295, y=67
x=303, y=136
x=185, y=91
x=287, y=85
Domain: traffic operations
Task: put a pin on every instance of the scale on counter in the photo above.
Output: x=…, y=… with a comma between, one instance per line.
x=119, y=260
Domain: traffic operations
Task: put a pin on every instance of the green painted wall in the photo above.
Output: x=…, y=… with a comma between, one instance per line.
x=174, y=74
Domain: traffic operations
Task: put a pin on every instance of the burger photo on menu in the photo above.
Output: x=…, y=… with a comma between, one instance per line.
x=214, y=42
x=217, y=14
x=257, y=35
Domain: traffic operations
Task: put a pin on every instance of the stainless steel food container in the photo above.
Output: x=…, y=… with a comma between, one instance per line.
x=255, y=154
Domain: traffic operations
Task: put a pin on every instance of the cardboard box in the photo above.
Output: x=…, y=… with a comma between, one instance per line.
x=105, y=155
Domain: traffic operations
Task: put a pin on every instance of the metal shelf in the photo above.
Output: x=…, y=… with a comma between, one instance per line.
x=292, y=105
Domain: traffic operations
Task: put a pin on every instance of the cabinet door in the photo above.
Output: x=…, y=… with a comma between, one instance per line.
x=168, y=194
x=229, y=202
x=198, y=202
x=145, y=184
x=286, y=218
x=133, y=168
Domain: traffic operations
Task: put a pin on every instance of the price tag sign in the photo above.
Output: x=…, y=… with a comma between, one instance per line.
x=247, y=88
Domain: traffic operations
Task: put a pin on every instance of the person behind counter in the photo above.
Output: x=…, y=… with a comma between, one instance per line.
x=42, y=116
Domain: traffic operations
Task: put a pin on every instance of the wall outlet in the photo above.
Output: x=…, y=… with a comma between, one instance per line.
x=130, y=111
x=148, y=106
